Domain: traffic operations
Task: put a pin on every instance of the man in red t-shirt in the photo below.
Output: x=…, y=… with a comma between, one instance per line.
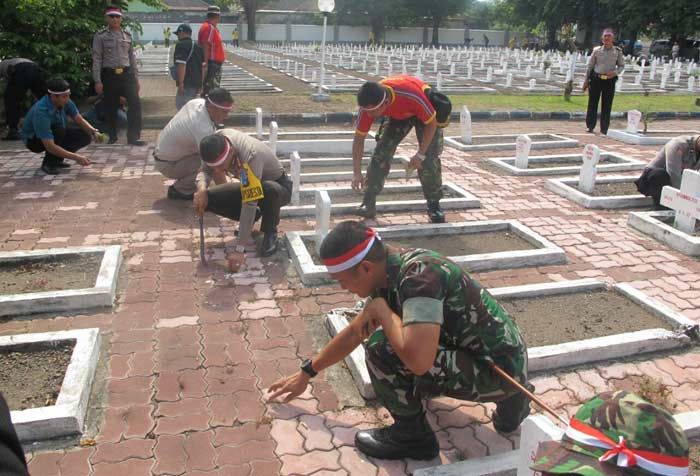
x=402, y=104
x=209, y=39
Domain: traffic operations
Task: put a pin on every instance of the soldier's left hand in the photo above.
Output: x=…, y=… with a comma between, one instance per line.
x=416, y=162
x=293, y=385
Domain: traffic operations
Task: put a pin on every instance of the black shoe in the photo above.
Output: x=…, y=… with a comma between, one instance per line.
x=511, y=412
x=368, y=209
x=605, y=133
x=435, y=212
x=590, y=131
x=12, y=134
x=112, y=140
x=269, y=244
x=137, y=142
x=406, y=438
x=173, y=194
x=50, y=169
x=63, y=165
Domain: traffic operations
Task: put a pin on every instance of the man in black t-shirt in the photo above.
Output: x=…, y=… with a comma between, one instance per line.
x=188, y=59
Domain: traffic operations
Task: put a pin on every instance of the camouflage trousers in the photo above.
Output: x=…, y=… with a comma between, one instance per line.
x=390, y=135
x=213, y=78
x=454, y=374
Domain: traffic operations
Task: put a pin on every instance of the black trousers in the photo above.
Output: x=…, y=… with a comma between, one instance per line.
x=12, y=462
x=116, y=86
x=600, y=89
x=23, y=77
x=72, y=139
x=652, y=182
x=226, y=200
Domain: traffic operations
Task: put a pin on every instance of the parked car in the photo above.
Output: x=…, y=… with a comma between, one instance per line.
x=660, y=48
x=689, y=48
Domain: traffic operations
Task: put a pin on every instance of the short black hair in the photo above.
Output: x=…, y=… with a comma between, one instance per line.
x=370, y=94
x=57, y=84
x=211, y=147
x=345, y=236
x=220, y=96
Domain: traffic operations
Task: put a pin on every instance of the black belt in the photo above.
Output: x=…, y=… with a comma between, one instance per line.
x=118, y=70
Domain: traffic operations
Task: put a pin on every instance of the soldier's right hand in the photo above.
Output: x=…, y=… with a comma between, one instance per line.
x=357, y=182
x=200, y=201
x=99, y=89
x=82, y=160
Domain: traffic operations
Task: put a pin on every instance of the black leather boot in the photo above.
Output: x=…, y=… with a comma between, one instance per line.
x=409, y=437
x=435, y=212
x=269, y=244
x=368, y=209
x=511, y=412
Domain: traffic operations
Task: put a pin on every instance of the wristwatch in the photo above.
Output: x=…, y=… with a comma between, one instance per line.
x=308, y=369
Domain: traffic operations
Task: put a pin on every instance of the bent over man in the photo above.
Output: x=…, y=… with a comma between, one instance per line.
x=440, y=333
x=402, y=104
x=262, y=182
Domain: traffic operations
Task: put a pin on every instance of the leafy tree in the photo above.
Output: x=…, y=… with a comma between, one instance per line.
x=249, y=8
x=436, y=12
x=379, y=15
x=56, y=34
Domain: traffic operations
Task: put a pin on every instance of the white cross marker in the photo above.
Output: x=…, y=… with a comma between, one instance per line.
x=633, y=118
x=591, y=157
x=685, y=202
x=522, y=150
x=465, y=125
x=323, y=217
x=258, y=122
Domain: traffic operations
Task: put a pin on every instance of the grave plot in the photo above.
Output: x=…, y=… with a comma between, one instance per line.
x=507, y=142
x=632, y=134
x=336, y=169
x=476, y=246
x=61, y=279
x=46, y=379
x=568, y=323
x=565, y=164
x=393, y=199
x=609, y=192
x=313, y=142
x=678, y=228
x=237, y=80
x=153, y=61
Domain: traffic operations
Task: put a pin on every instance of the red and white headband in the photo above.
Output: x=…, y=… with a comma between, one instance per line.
x=381, y=103
x=657, y=463
x=353, y=256
x=225, y=108
x=60, y=93
x=221, y=158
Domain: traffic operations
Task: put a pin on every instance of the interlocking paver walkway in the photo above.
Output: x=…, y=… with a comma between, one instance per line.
x=191, y=350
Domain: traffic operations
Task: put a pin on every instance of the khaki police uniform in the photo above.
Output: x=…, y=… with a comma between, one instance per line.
x=602, y=61
x=114, y=65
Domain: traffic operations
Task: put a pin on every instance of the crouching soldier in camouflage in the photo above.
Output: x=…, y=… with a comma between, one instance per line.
x=402, y=103
x=439, y=333
x=617, y=434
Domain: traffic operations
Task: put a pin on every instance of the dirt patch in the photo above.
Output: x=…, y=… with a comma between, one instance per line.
x=50, y=274
x=669, y=221
x=550, y=320
x=449, y=245
x=385, y=196
x=567, y=162
x=31, y=376
x=694, y=458
x=508, y=139
x=613, y=189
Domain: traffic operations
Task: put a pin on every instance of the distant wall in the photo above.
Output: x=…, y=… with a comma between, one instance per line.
x=312, y=33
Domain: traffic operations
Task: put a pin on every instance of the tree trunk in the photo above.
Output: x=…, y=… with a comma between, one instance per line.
x=632, y=35
x=551, y=36
x=436, y=31
x=250, y=20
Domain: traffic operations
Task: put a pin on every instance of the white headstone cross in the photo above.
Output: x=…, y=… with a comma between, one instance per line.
x=323, y=217
x=509, y=80
x=295, y=172
x=522, y=150
x=532, y=83
x=489, y=74
x=633, y=118
x=273, y=136
x=591, y=157
x=258, y=123
x=438, y=82
x=691, y=83
x=685, y=202
x=465, y=125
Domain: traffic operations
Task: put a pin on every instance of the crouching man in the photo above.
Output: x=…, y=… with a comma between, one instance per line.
x=440, y=332
x=262, y=182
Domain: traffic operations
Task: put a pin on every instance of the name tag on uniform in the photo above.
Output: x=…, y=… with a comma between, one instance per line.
x=118, y=70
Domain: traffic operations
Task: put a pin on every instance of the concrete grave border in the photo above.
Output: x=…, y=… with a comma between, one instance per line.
x=67, y=415
x=546, y=253
x=567, y=354
x=313, y=142
x=102, y=294
x=567, y=188
x=649, y=224
x=624, y=164
x=640, y=139
x=509, y=142
x=397, y=171
x=465, y=200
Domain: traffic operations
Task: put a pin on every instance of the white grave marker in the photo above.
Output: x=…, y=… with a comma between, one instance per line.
x=258, y=122
x=633, y=118
x=295, y=172
x=685, y=202
x=522, y=150
x=438, y=84
x=548, y=74
x=535, y=429
x=638, y=80
x=591, y=157
x=691, y=83
x=465, y=125
x=489, y=74
x=273, y=136
x=509, y=80
x=323, y=217
x=532, y=83
x=677, y=77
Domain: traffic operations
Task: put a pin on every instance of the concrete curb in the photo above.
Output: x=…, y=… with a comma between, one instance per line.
x=248, y=119
x=616, y=163
x=650, y=224
x=567, y=188
x=539, y=141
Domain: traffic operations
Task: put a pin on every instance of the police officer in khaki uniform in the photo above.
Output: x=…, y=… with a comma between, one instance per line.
x=607, y=62
x=115, y=74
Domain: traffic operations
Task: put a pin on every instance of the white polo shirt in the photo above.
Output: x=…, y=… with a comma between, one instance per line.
x=182, y=135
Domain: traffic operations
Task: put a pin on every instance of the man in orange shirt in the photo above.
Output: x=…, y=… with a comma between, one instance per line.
x=213, y=47
x=402, y=104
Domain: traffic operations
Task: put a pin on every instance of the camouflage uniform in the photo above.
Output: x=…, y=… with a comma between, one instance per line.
x=390, y=135
x=475, y=329
x=643, y=426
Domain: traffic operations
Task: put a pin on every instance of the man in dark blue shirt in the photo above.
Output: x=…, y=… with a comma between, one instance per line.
x=45, y=129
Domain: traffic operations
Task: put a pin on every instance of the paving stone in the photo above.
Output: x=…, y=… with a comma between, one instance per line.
x=289, y=440
x=316, y=435
x=310, y=462
x=238, y=435
x=355, y=462
x=249, y=451
x=132, y=467
x=115, y=452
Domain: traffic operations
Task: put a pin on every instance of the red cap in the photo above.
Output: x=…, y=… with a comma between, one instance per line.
x=113, y=11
